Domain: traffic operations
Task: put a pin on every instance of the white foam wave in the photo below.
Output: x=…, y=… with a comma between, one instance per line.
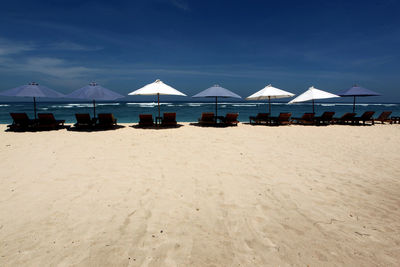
x=244, y=105
x=4, y=105
x=108, y=104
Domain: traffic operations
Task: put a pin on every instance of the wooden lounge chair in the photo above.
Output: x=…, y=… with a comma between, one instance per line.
x=83, y=120
x=325, y=119
x=21, y=122
x=146, y=120
x=282, y=119
x=306, y=119
x=384, y=117
x=259, y=119
x=106, y=120
x=48, y=122
x=169, y=119
x=207, y=118
x=365, y=117
x=231, y=119
x=347, y=118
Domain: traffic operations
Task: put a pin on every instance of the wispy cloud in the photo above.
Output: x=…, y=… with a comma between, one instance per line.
x=8, y=47
x=72, y=46
x=181, y=4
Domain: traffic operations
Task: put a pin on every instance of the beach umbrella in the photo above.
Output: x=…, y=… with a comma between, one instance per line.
x=312, y=94
x=94, y=92
x=357, y=91
x=269, y=92
x=157, y=88
x=217, y=91
x=32, y=90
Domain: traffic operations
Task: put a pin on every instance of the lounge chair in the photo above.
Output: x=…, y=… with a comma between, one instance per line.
x=169, y=119
x=48, y=122
x=365, y=117
x=345, y=119
x=231, y=119
x=306, y=119
x=325, y=119
x=83, y=120
x=384, y=117
x=259, y=119
x=146, y=120
x=282, y=119
x=21, y=122
x=106, y=120
x=207, y=118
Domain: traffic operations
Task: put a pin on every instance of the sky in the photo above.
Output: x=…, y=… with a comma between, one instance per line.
x=192, y=45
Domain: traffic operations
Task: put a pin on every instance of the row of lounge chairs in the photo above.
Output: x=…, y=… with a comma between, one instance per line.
x=46, y=121
x=325, y=119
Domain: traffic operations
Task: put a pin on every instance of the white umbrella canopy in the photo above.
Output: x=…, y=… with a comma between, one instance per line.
x=269, y=92
x=312, y=94
x=157, y=88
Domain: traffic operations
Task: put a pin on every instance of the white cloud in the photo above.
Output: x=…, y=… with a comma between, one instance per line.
x=72, y=46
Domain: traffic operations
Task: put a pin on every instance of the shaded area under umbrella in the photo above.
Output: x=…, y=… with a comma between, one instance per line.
x=94, y=92
x=32, y=90
x=217, y=91
x=357, y=91
x=157, y=88
x=312, y=94
x=269, y=92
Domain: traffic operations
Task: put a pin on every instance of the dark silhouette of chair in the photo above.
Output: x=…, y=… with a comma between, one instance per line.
x=47, y=121
x=21, y=122
x=347, y=118
x=282, y=119
x=364, y=118
x=84, y=121
x=106, y=120
x=325, y=119
x=306, y=119
x=384, y=117
x=259, y=119
x=146, y=120
x=169, y=119
x=231, y=119
x=207, y=118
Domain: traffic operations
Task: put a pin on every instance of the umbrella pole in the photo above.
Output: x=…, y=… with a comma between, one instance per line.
x=269, y=105
x=216, y=108
x=354, y=104
x=94, y=108
x=313, y=106
x=34, y=106
x=158, y=101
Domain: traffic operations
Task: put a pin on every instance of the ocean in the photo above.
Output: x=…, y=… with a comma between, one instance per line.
x=127, y=112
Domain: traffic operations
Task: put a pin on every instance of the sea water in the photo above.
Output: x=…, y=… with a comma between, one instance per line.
x=128, y=112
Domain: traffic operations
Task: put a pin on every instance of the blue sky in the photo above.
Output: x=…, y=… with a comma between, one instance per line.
x=191, y=45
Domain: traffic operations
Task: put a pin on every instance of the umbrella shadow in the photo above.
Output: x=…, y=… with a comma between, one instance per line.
x=136, y=126
x=95, y=129
x=36, y=129
x=216, y=125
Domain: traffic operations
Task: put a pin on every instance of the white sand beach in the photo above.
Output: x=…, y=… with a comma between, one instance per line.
x=192, y=196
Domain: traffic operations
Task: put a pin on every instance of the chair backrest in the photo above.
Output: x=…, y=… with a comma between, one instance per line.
x=348, y=115
x=46, y=118
x=384, y=115
x=106, y=118
x=308, y=116
x=327, y=115
x=207, y=116
x=169, y=116
x=231, y=117
x=284, y=117
x=20, y=118
x=367, y=115
x=83, y=118
x=146, y=118
x=262, y=116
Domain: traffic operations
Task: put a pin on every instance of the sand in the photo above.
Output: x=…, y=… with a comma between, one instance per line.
x=192, y=196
